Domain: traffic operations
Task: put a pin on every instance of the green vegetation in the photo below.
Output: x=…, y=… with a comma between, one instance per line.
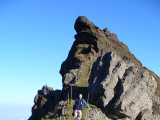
x=83, y=82
x=69, y=116
x=85, y=72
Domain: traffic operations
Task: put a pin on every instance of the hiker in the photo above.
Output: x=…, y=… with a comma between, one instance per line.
x=80, y=103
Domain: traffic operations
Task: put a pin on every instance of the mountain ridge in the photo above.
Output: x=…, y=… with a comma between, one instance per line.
x=111, y=78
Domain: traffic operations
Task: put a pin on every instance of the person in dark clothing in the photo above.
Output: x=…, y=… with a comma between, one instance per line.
x=80, y=103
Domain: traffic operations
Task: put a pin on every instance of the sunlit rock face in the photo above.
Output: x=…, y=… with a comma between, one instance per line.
x=77, y=67
x=107, y=74
x=117, y=82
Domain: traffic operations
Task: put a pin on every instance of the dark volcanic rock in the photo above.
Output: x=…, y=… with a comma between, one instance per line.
x=109, y=76
x=45, y=102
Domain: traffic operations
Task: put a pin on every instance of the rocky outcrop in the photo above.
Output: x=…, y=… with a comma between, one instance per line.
x=45, y=103
x=109, y=76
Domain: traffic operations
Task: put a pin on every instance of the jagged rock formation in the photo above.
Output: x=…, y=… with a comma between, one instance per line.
x=109, y=76
x=45, y=102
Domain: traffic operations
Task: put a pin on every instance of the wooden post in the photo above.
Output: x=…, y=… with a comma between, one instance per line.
x=88, y=98
x=88, y=94
x=68, y=97
x=71, y=94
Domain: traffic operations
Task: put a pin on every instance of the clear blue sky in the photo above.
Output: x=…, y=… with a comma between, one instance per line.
x=36, y=35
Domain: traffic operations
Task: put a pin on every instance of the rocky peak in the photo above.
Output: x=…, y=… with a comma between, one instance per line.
x=109, y=76
x=83, y=24
x=91, y=43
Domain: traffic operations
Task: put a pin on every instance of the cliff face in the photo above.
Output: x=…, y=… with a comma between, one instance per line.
x=109, y=76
